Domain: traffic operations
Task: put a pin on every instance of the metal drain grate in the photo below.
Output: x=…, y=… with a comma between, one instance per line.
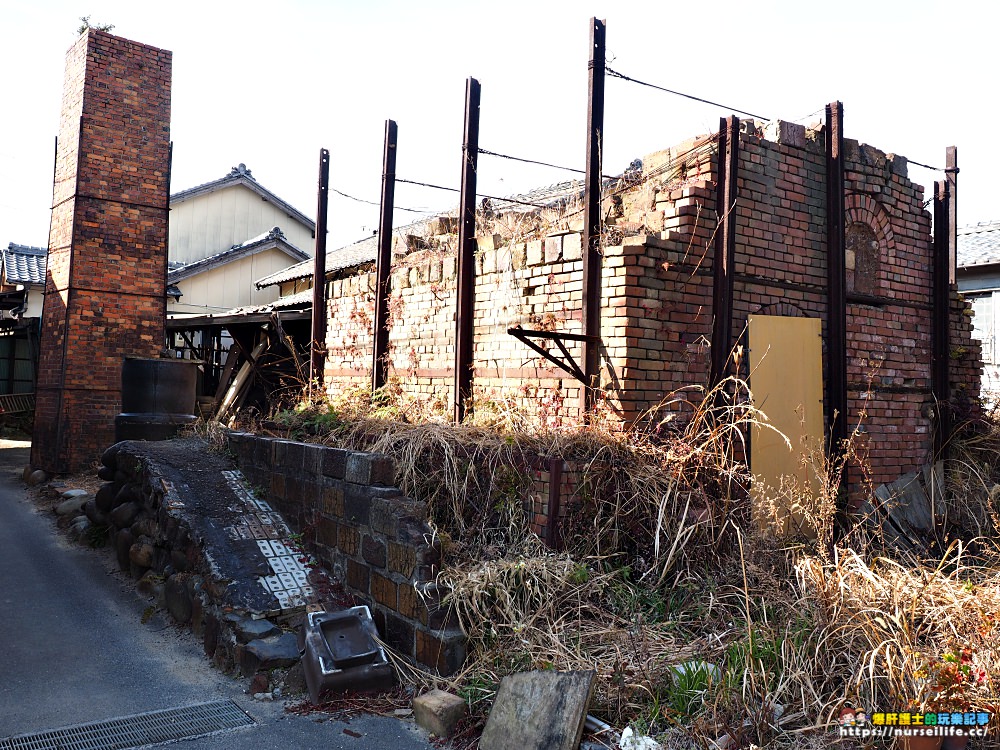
x=136, y=731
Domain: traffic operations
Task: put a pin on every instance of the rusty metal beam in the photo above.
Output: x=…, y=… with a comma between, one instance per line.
x=725, y=247
x=593, y=223
x=951, y=177
x=553, y=534
x=836, y=283
x=941, y=298
x=567, y=363
x=465, y=318
x=380, y=354
x=317, y=362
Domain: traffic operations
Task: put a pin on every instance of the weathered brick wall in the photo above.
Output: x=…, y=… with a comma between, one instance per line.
x=535, y=284
x=106, y=276
x=361, y=526
x=781, y=269
x=657, y=294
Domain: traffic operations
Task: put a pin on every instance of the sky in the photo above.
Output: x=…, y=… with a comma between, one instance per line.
x=269, y=84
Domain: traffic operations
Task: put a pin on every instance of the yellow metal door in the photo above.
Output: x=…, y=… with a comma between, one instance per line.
x=786, y=379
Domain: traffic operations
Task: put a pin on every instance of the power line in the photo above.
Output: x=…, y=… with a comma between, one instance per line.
x=616, y=74
x=540, y=163
x=928, y=166
x=481, y=195
x=428, y=185
x=373, y=203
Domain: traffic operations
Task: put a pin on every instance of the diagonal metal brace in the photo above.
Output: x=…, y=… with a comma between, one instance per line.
x=567, y=363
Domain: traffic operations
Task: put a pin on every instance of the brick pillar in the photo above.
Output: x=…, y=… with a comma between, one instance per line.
x=107, y=262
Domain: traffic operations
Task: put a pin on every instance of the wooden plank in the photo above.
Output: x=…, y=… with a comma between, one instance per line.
x=240, y=383
x=786, y=379
x=539, y=711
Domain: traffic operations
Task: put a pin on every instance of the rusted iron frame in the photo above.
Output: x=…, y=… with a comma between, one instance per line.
x=725, y=247
x=592, y=218
x=941, y=298
x=951, y=177
x=465, y=317
x=383, y=263
x=568, y=364
x=553, y=537
x=836, y=286
x=317, y=361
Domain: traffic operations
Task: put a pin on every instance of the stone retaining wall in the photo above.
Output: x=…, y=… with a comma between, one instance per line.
x=362, y=527
x=159, y=543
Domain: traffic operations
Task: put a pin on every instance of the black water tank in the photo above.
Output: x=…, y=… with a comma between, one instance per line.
x=158, y=398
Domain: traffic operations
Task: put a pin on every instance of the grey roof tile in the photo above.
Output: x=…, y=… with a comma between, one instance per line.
x=240, y=175
x=23, y=264
x=272, y=239
x=979, y=244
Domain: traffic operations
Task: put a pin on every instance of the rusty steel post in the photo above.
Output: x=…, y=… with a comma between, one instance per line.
x=553, y=535
x=383, y=263
x=951, y=177
x=836, y=289
x=317, y=362
x=941, y=300
x=725, y=248
x=593, y=224
x=465, y=317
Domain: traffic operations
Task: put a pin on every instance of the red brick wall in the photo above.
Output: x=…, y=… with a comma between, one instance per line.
x=104, y=296
x=657, y=295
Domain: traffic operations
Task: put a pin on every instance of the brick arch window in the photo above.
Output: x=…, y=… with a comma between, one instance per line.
x=864, y=263
x=869, y=243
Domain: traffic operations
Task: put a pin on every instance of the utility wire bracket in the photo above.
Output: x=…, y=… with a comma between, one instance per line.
x=567, y=362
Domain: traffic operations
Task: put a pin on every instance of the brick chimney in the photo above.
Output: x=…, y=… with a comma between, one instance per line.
x=106, y=276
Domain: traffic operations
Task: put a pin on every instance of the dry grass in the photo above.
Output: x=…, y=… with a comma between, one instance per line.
x=663, y=568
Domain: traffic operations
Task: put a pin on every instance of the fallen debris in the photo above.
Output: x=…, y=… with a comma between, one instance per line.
x=544, y=710
x=438, y=712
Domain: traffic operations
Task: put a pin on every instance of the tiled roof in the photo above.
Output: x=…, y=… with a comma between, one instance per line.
x=240, y=175
x=979, y=244
x=23, y=264
x=273, y=239
x=302, y=300
x=336, y=260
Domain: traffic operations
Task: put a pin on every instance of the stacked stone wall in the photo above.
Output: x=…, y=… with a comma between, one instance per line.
x=361, y=526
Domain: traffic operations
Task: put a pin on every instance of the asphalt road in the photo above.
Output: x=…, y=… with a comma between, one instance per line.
x=74, y=649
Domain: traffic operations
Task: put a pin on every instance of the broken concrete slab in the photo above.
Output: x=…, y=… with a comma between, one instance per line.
x=539, y=711
x=264, y=654
x=439, y=711
x=248, y=629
